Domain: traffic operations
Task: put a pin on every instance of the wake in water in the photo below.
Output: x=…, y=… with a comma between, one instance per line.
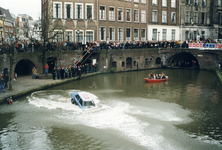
x=143, y=124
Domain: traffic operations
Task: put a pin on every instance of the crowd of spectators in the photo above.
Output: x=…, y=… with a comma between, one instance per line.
x=98, y=45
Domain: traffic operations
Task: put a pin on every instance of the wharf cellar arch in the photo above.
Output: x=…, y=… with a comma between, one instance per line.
x=186, y=59
x=24, y=67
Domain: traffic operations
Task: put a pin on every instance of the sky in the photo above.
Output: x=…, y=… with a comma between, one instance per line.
x=29, y=7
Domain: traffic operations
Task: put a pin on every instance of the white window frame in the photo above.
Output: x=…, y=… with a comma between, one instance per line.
x=129, y=14
x=154, y=18
x=113, y=34
x=110, y=14
x=71, y=35
x=101, y=34
x=173, y=3
x=137, y=15
x=86, y=10
x=119, y=34
x=136, y=1
x=58, y=34
x=104, y=15
x=128, y=38
x=164, y=16
x=71, y=10
x=121, y=14
x=154, y=2
x=76, y=14
x=174, y=17
x=76, y=38
x=143, y=1
x=86, y=34
x=143, y=38
x=164, y=3
x=59, y=17
x=143, y=16
x=173, y=35
x=136, y=38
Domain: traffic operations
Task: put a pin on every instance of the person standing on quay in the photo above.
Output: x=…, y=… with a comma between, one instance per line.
x=62, y=71
x=54, y=73
x=58, y=73
x=2, y=84
x=6, y=80
x=46, y=69
x=34, y=72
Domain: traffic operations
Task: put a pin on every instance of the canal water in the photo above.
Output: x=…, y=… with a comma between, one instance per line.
x=183, y=113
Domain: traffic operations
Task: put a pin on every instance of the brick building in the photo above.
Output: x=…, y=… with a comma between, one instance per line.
x=90, y=20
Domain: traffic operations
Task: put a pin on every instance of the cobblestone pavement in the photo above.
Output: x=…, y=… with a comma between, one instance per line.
x=25, y=83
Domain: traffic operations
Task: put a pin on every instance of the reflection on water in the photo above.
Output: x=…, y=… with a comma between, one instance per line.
x=182, y=113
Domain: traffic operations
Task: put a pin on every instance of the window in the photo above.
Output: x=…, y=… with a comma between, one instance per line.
x=58, y=36
x=111, y=34
x=203, y=2
x=68, y=36
x=128, y=15
x=195, y=17
x=154, y=2
x=128, y=35
x=143, y=16
x=68, y=11
x=143, y=1
x=219, y=3
x=79, y=35
x=102, y=13
x=219, y=20
x=111, y=14
x=173, y=34
x=154, y=16
x=187, y=17
x=195, y=35
x=173, y=17
x=120, y=14
x=120, y=34
x=89, y=36
x=164, y=16
x=136, y=15
x=195, y=2
x=203, y=34
x=154, y=34
x=173, y=4
x=89, y=11
x=136, y=1
x=164, y=34
x=136, y=34
x=187, y=35
x=164, y=3
x=123, y=64
x=187, y=2
x=114, y=64
x=79, y=11
x=57, y=11
x=102, y=33
x=143, y=34
x=203, y=18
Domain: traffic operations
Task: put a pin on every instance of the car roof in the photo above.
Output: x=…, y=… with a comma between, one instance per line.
x=84, y=96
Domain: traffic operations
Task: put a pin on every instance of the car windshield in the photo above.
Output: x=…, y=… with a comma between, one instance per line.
x=89, y=103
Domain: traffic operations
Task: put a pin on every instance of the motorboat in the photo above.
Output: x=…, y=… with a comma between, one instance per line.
x=155, y=80
x=83, y=100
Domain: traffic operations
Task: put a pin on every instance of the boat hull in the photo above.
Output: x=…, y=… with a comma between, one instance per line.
x=155, y=80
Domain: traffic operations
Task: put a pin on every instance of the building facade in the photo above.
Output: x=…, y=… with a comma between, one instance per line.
x=98, y=20
x=163, y=20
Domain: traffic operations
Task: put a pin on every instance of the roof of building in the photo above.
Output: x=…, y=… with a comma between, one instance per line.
x=6, y=13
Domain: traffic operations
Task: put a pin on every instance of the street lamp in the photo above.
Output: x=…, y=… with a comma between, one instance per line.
x=77, y=32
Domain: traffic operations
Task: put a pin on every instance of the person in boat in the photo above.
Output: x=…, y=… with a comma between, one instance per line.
x=152, y=75
x=157, y=76
x=163, y=76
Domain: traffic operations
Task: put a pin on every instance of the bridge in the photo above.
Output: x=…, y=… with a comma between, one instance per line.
x=117, y=59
